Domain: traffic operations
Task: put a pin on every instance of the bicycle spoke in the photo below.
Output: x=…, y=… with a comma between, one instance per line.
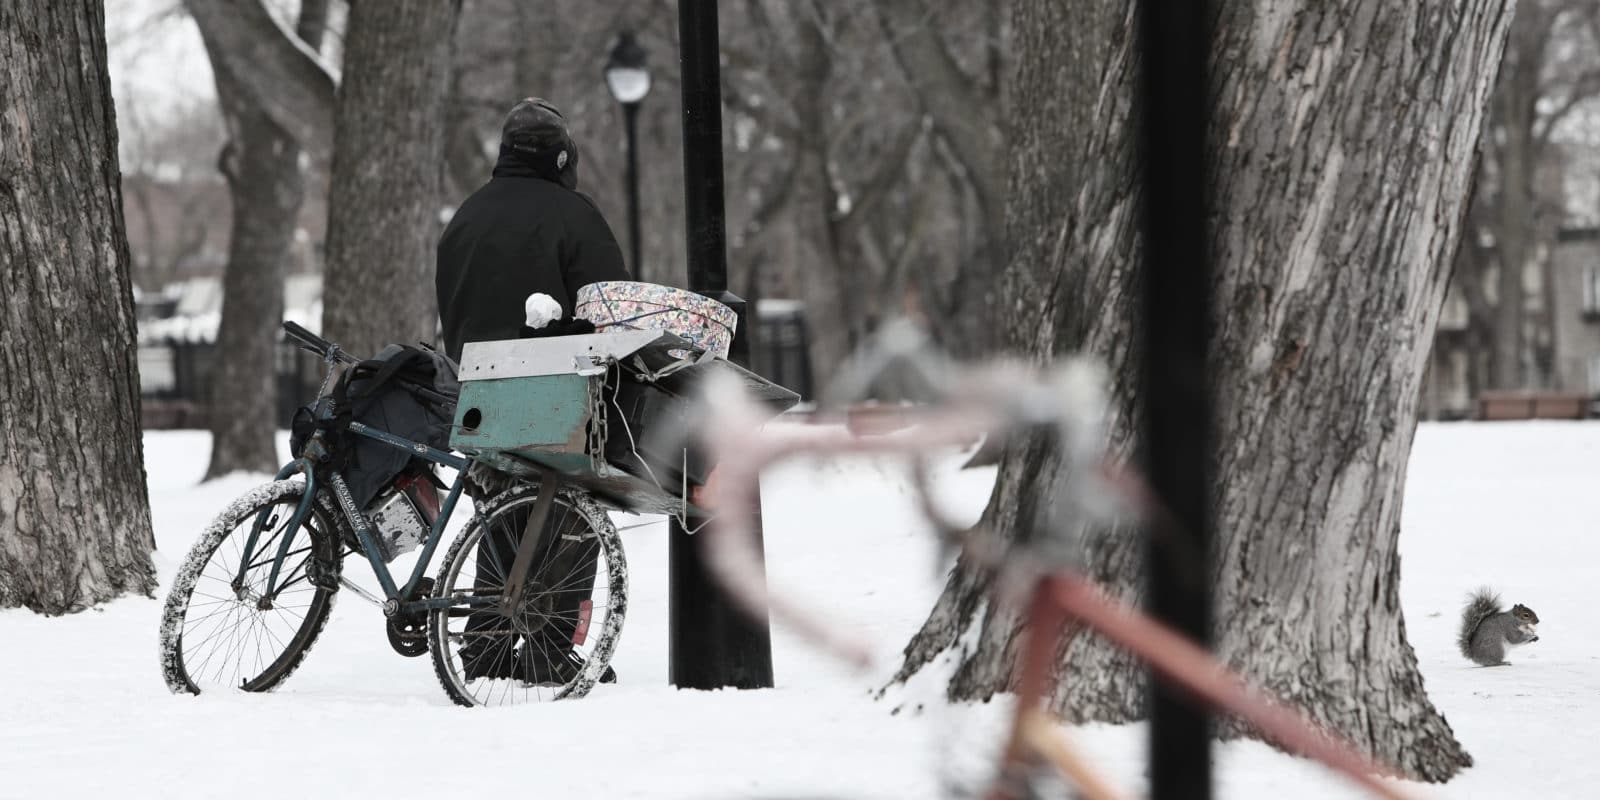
x=226, y=613
x=229, y=624
x=269, y=546
x=573, y=581
x=274, y=557
x=303, y=577
x=195, y=647
x=293, y=626
x=239, y=636
x=261, y=632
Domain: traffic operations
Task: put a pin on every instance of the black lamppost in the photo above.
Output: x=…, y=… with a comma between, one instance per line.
x=712, y=644
x=628, y=78
x=1176, y=425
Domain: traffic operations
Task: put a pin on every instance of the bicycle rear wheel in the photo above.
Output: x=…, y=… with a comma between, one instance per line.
x=557, y=643
x=219, y=630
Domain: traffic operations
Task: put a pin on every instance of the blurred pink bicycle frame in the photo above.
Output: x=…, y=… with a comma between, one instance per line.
x=1058, y=599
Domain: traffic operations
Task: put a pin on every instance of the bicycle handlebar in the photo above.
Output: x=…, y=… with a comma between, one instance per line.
x=310, y=341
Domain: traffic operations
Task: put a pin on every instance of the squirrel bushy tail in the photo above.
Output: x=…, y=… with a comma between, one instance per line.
x=1483, y=604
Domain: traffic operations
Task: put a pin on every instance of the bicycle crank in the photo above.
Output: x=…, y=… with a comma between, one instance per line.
x=408, y=633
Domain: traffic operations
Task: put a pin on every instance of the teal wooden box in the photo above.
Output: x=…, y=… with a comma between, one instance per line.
x=540, y=418
x=529, y=405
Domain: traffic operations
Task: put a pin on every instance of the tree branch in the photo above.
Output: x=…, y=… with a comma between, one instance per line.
x=781, y=56
x=774, y=196
x=1585, y=87
x=872, y=190
x=313, y=23
x=961, y=114
x=272, y=68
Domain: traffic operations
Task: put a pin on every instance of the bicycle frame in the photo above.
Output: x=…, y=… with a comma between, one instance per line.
x=397, y=598
x=1057, y=595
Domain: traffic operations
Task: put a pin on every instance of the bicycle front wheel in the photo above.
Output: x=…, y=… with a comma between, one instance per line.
x=557, y=642
x=221, y=629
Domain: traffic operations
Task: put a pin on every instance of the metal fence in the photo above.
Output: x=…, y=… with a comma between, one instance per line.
x=175, y=382
x=780, y=351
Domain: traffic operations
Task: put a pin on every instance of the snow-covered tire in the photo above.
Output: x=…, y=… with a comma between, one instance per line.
x=282, y=655
x=601, y=638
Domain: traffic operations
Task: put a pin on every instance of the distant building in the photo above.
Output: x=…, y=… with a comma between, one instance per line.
x=1576, y=321
x=1565, y=341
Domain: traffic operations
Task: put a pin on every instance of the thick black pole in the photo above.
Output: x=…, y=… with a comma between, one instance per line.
x=712, y=645
x=699, y=55
x=630, y=120
x=1175, y=393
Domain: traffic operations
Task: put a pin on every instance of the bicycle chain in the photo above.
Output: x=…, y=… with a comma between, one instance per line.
x=598, y=414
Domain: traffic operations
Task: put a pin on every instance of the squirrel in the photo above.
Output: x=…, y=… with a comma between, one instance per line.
x=1487, y=631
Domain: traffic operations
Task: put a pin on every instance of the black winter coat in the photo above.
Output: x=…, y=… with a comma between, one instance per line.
x=513, y=237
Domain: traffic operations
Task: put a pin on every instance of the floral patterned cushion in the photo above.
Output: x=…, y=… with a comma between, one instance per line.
x=634, y=305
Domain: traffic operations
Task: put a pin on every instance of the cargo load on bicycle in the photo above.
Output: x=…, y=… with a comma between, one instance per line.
x=593, y=408
x=528, y=600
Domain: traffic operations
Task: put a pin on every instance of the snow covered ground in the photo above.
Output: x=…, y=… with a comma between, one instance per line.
x=85, y=713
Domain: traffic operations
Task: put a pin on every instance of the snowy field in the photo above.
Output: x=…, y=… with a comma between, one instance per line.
x=85, y=712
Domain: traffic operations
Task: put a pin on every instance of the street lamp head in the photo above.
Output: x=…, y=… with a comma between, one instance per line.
x=627, y=75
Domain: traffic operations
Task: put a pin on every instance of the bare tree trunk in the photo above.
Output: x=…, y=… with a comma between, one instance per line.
x=1342, y=149
x=74, y=516
x=262, y=164
x=1470, y=276
x=383, y=201
x=831, y=291
x=1511, y=235
x=137, y=189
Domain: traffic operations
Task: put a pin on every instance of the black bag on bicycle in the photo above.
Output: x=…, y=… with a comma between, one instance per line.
x=404, y=390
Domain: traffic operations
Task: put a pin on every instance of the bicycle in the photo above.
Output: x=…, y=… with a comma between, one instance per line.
x=1039, y=572
x=256, y=589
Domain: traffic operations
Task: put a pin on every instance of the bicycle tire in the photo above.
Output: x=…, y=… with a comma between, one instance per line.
x=234, y=524
x=508, y=510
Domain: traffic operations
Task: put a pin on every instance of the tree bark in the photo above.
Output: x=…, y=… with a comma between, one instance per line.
x=1341, y=150
x=384, y=197
x=261, y=162
x=74, y=515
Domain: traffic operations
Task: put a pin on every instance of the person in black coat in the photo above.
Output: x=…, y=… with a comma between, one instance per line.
x=528, y=230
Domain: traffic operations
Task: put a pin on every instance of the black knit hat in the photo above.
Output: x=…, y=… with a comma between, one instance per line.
x=536, y=132
x=534, y=124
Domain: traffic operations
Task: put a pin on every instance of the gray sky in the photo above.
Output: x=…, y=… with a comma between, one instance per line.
x=156, y=58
